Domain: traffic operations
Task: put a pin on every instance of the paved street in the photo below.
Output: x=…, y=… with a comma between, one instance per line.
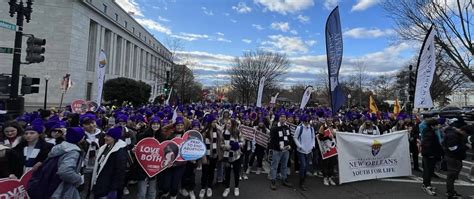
x=407, y=187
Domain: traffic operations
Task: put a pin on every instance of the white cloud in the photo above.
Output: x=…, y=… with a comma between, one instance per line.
x=247, y=41
x=223, y=40
x=294, y=32
x=242, y=8
x=330, y=4
x=285, y=6
x=364, y=4
x=153, y=25
x=303, y=19
x=131, y=6
x=290, y=45
x=359, y=33
x=282, y=26
x=310, y=42
x=233, y=20
x=219, y=33
x=206, y=11
x=258, y=27
x=163, y=19
x=190, y=36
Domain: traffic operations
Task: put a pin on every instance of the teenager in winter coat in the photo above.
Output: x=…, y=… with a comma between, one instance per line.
x=146, y=185
x=212, y=138
x=69, y=164
x=280, y=146
x=231, y=144
x=259, y=150
x=431, y=151
x=12, y=135
x=108, y=176
x=304, y=138
x=454, y=145
x=32, y=151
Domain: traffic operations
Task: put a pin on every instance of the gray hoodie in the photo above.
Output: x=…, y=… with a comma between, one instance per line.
x=68, y=170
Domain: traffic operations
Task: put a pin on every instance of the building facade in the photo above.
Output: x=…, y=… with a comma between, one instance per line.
x=75, y=32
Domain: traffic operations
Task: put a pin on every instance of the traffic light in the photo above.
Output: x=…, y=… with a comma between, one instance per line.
x=4, y=84
x=29, y=85
x=35, y=49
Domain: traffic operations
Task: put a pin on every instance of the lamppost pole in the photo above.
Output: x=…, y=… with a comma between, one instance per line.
x=46, y=78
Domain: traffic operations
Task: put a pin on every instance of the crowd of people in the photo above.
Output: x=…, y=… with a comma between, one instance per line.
x=94, y=150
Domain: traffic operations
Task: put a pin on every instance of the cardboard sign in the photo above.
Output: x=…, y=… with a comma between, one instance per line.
x=247, y=132
x=92, y=106
x=79, y=106
x=14, y=188
x=262, y=138
x=191, y=134
x=327, y=146
x=154, y=156
x=192, y=149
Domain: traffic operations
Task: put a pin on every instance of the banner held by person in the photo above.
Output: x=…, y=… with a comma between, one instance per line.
x=327, y=147
x=192, y=149
x=15, y=188
x=364, y=157
x=247, y=132
x=101, y=63
x=262, y=138
x=306, y=96
x=154, y=157
x=425, y=71
x=188, y=135
x=260, y=91
x=334, y=49
x=274, y=99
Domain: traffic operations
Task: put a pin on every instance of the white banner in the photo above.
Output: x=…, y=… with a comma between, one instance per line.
x=274, y=99
x=306, y=96
x=425, y=72
x=167, y=102
x=260, y=92
x=101, y=63
x=364, y=157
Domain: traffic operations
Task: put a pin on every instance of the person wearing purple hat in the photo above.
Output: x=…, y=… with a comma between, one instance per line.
x=70, y=160
x=33, y=150
x=95, y=138
x=55, y=135
x=231, y=144
x=280, y=146
x=369, y=128
x=259, y=150
x=170, y=178
x=109, y=169
x=212, y=135
x=247, y=148
x=147, y=186
x=196, y=125
x=304, y=139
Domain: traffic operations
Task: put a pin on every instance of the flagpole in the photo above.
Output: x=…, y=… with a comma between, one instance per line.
x=61, y=102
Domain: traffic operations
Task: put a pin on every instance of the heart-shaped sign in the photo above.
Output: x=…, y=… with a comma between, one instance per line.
x=14, y=188
x=154, y=157
x=191, y=134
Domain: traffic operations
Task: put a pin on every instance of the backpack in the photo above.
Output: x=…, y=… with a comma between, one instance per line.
x=301, y=131
x=44, y=181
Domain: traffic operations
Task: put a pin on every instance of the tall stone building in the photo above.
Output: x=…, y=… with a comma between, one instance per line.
x=75, y=32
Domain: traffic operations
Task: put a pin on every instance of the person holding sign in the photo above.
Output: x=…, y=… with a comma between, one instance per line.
x=231, y=144
x=146, y=185
x=171, y=177
x=280, y=147
x=259, y=150
x=305, y=142
x=325, y=136
x=108, y=176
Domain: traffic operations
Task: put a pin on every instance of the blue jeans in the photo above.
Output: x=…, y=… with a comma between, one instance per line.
x=145, y=192
x=279, y=158
x=304, y=163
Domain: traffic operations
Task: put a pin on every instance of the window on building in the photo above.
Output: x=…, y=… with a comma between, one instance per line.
x=107, y=44
x=118, y=55
x=139, y=35
x=135, y=62
x=105, y=8
x=133, y=30
x=145, y=38
x=89, y=91
x=127, y=59
x=92, y=48
x=116, y=17
x=126, y=24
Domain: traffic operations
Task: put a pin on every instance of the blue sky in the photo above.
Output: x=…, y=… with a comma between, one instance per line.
x=215, y=31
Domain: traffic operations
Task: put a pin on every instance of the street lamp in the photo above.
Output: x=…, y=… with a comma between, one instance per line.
x=349, y=100
x=46, y=78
